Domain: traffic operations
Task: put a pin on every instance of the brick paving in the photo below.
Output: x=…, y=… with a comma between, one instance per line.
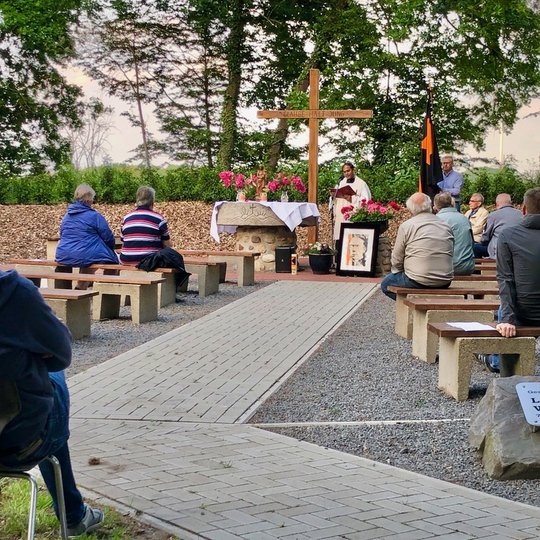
x=165, y=422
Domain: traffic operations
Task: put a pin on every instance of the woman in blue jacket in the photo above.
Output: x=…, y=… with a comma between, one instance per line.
x=85, y=236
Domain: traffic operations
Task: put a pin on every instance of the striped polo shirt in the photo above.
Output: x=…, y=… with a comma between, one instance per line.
x=143, y=232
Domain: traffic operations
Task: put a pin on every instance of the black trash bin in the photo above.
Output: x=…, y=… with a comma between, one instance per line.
x=283, y=258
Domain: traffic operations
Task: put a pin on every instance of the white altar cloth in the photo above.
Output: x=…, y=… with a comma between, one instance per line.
x=291, y=213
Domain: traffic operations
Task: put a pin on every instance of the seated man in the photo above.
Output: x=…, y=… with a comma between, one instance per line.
x=518, y=276
x=35, y=348
x=504, y=216
x=144, y=232
x=463, y=259
x=477, y=215
x=422, y=255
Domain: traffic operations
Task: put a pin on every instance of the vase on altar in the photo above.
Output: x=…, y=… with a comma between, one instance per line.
x=284, y=196
x=240, y=195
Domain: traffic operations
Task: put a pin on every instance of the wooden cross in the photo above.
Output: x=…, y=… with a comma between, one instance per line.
x=314, y=114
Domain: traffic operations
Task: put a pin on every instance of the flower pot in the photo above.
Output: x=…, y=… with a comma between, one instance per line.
x=381, y=226
x=321, y=263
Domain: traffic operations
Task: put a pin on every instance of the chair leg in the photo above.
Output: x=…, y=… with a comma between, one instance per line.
x=60, y=495
x=22, y=475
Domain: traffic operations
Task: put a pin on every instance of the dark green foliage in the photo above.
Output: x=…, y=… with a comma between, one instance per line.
x=119, y=183
x=491, y=182
x=36, y=102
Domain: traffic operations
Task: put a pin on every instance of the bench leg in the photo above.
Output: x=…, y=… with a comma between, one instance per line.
x=74, y=313
x=208, y=279
x=246, y=272
x=106, y=306
x=167, y=290
x=144, y=304
x=403, y=326
x=456, y=356
x=425, y=344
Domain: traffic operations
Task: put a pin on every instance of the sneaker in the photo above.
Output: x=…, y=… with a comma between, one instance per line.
x=491, y=361
x=92, y=520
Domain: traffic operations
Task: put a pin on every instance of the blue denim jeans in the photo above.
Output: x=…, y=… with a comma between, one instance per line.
x=480, y=250
x=55, y=443
x=400, y=279
x=504, y=362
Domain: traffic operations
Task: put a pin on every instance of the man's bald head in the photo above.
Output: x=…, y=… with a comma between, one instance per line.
x=418, y=203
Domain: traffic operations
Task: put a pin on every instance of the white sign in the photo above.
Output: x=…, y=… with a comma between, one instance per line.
x=470, y=326
x=529, y=397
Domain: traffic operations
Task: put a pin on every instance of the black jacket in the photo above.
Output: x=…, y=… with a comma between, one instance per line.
x=166, y=258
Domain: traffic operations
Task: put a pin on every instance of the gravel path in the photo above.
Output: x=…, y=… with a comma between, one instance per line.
x=365, y=372
x=361, y=373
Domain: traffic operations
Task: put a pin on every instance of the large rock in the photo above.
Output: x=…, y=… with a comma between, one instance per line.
x=499, y=431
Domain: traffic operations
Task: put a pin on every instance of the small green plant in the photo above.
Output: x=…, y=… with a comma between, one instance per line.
x=319, y=248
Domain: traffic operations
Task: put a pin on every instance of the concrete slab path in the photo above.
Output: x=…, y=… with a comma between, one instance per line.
x=164, y=420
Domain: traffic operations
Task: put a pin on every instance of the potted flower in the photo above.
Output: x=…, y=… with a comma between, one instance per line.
x=321, y=257
x=370, y=210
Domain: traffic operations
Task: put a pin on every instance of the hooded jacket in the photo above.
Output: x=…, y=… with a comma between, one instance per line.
x=85, y=238
x=32, y=343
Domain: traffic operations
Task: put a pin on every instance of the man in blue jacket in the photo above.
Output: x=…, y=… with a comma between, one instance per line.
x=35, y=348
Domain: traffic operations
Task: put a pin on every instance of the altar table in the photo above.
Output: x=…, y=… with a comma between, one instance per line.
x=262, y=226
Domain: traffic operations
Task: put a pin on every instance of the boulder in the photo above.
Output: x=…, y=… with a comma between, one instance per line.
x=509, y=447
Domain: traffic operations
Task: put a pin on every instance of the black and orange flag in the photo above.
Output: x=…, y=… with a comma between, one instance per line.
x=430, y=162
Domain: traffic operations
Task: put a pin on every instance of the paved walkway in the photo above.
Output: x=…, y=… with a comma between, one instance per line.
x=165, y=422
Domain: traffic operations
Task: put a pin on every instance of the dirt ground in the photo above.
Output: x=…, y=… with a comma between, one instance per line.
x=25, y=228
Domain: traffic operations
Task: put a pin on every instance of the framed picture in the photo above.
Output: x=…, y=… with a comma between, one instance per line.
x=357, y=249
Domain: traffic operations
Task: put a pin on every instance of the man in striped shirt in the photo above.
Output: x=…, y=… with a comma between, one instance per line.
x=143, y=231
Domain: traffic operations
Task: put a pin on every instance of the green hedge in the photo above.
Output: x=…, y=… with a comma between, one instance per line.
x=119, y=183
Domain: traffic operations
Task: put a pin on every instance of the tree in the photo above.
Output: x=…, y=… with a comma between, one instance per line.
x=90, y=141
x=36, y=102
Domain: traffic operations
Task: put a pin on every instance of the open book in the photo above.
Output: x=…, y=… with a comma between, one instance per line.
x=343, y=192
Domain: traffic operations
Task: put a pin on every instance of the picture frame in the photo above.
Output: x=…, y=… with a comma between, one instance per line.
x=357, y=249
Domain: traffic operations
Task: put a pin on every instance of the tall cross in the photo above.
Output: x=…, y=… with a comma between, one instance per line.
x=314, y=114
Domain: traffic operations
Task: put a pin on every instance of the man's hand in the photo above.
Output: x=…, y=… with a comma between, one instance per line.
x=506, y=329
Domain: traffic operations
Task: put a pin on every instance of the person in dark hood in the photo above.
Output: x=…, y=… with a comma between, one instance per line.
x=85, y=236
x=35, y=348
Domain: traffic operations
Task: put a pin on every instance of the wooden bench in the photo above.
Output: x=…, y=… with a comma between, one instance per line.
x=457, y=348
x=244, y=261
x=207, y=275
x=74, y=308
x=142, y=291
x=434, y=310
x=403, y=325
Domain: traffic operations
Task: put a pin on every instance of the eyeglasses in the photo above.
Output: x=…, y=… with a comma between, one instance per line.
x=475, y=200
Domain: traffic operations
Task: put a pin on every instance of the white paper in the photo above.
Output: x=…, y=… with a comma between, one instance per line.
x=470, y=326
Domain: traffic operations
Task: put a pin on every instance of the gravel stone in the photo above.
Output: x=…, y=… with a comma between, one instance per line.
x=364, y=372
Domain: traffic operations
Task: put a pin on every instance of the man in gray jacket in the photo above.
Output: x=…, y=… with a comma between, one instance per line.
x=422, y=254
x=504, y=216
x=518, y=276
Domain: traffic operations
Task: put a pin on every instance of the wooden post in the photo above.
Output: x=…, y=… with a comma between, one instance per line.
x=314, y=114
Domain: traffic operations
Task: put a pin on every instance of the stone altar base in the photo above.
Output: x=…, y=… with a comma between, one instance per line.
x=264, y=240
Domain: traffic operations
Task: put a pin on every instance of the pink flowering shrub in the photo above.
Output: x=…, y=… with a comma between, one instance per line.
x=370, y=211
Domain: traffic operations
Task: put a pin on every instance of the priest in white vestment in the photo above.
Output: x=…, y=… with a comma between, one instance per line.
x=360, y=189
